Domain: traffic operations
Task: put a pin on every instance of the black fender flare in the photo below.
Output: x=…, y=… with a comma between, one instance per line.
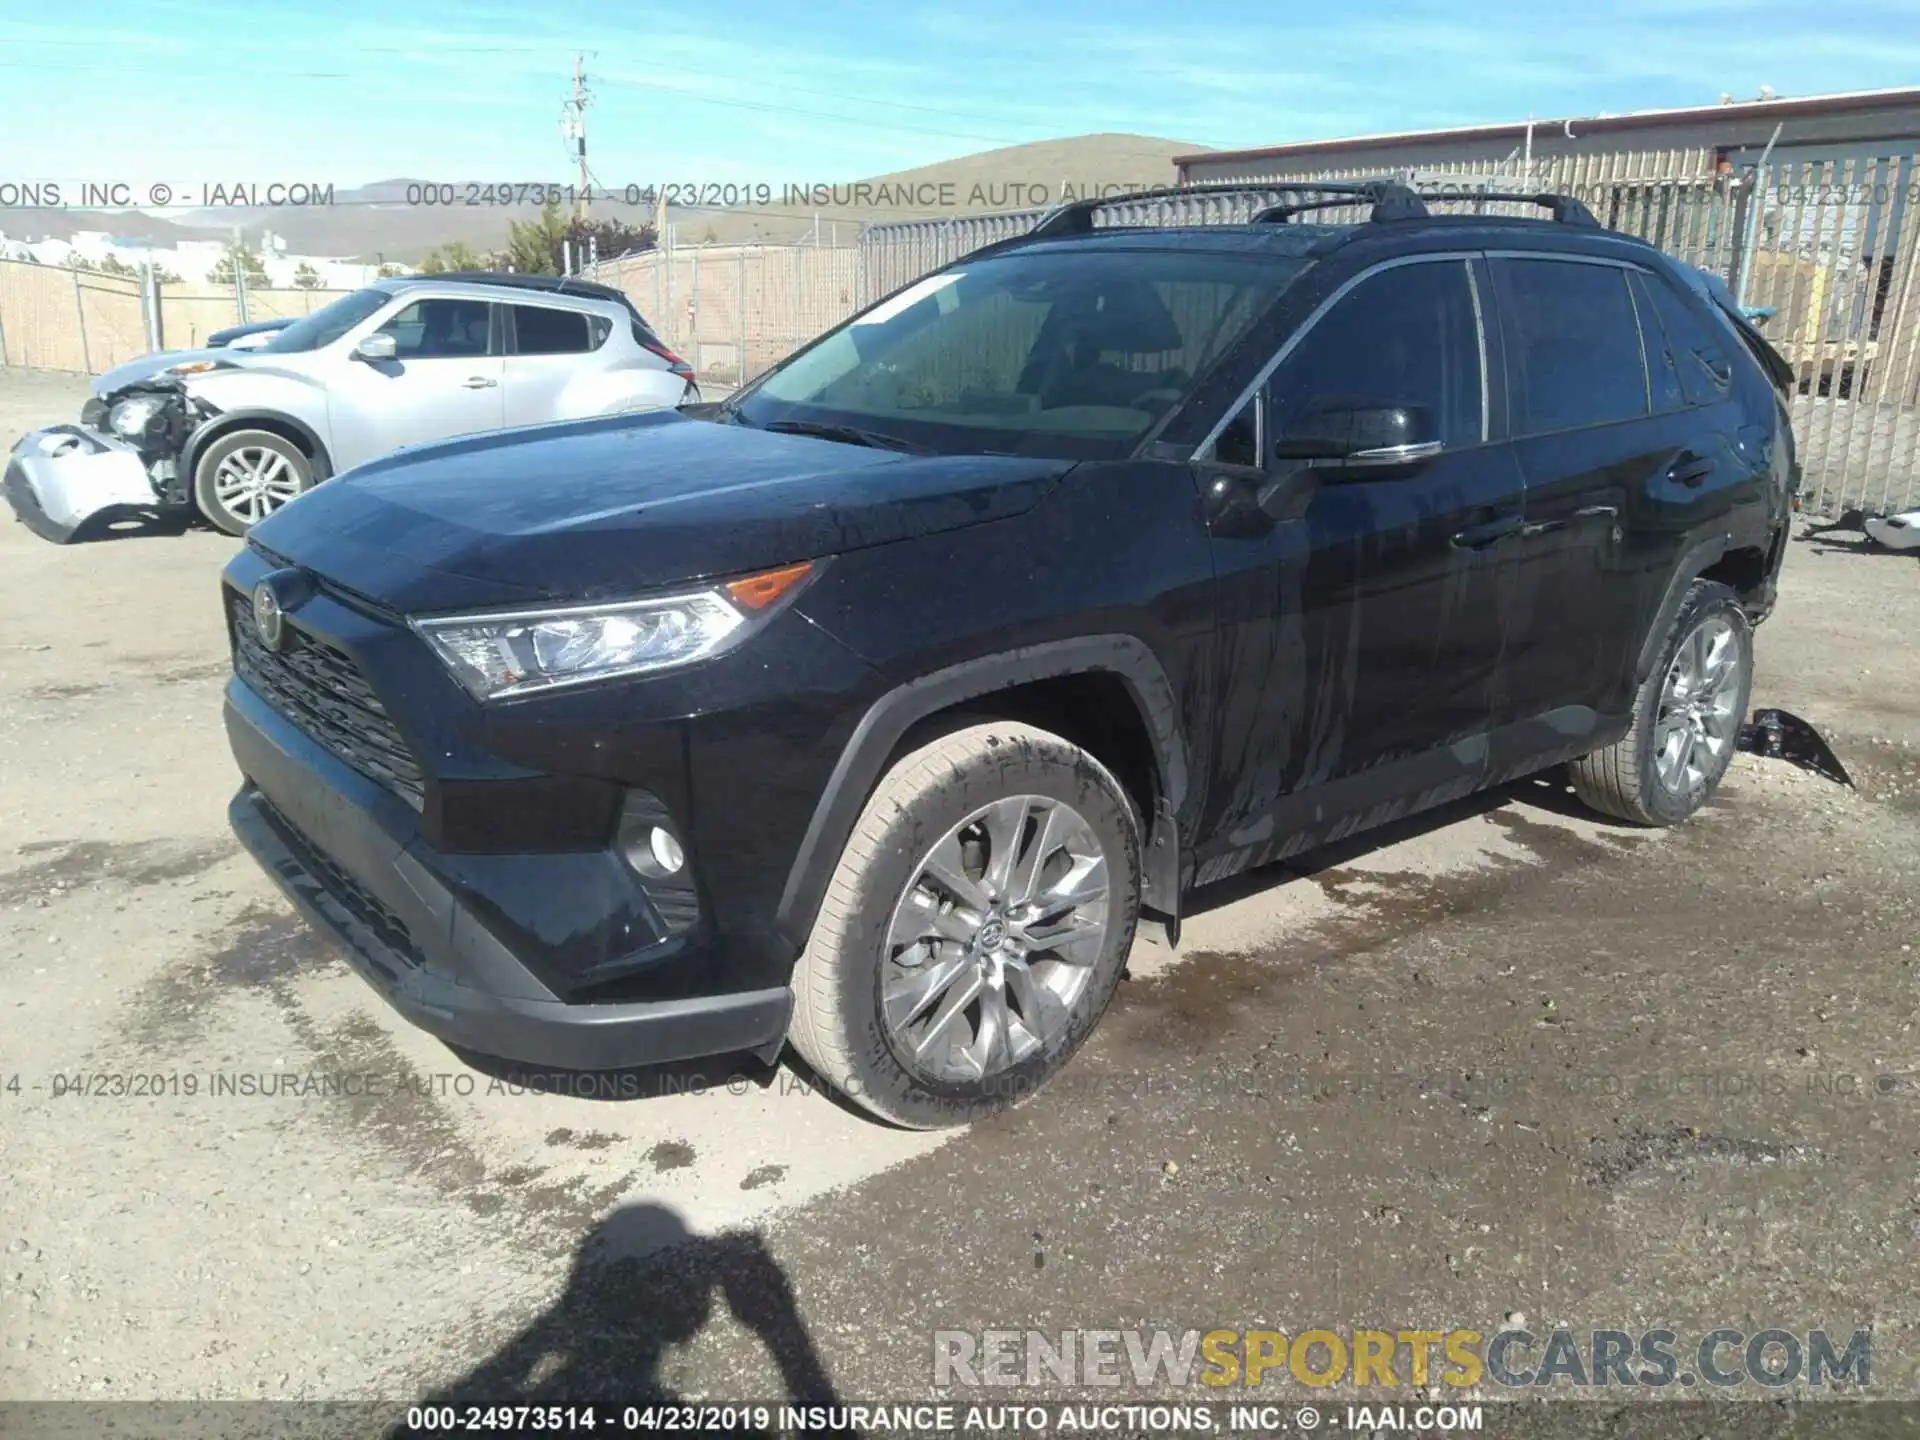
x=1696, y=559
x=229, y=420
x=865, y=754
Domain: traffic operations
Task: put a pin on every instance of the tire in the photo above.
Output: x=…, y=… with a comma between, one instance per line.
x=1681, y=713
x=229, y=464
x=916, y=1066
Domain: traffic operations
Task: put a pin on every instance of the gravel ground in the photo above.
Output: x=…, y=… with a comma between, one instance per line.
x=1504, y=1060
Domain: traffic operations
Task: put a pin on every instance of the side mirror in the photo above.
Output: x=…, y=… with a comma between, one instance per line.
x=1340, y=436
x=377, y=346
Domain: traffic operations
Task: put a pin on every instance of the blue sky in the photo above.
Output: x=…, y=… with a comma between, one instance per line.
x=837, y=89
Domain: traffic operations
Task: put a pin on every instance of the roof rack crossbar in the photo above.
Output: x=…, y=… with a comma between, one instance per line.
x=1564, y=208
x=1390, y=199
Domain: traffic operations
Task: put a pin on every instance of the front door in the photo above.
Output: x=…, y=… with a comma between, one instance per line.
x=1362, y=638
x=443, y=380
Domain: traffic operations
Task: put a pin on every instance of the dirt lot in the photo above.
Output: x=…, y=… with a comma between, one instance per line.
x=1504, y=1060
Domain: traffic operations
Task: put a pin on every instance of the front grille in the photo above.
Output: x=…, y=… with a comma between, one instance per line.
x=349, y=894
x=321, y=689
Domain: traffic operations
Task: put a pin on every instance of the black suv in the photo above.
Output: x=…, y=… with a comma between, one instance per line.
x=872, y=708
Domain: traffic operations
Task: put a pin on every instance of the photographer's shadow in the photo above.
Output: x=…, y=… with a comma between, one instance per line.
x=641, y=1282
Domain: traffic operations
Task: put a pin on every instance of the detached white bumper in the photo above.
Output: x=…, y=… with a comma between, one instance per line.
x=61, y=477
x=1896, y=532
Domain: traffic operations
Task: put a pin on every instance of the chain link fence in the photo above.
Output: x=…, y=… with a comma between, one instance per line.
x=733, y=310
x=53, y=317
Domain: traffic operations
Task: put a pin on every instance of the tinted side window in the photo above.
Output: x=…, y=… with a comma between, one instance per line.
x=433, y=329
x=1695, y=353
x=1574, y=345
x=1406, y=336
x=540, y=331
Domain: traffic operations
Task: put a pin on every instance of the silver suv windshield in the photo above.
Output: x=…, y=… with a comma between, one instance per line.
x=327, y=324
x=1075, y=353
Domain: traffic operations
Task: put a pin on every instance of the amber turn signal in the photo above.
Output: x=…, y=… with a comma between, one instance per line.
x=756, y=592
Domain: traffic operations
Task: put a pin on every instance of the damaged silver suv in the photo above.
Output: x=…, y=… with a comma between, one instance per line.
x=235, y=434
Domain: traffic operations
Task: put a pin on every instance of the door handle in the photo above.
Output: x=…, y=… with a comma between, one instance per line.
x=1690, y=469
x=479, y=382
x=1488, y=533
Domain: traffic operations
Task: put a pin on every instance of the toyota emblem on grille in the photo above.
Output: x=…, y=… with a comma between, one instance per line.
x=268, y=618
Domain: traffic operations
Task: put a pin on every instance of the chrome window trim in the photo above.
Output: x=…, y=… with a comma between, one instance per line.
x=1204, y=450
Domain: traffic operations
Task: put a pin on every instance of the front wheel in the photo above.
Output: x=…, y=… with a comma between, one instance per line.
x=242, y=478
x=974, y=929
x=1686, y=717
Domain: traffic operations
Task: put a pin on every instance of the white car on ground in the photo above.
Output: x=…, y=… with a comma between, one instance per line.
x=235, y=434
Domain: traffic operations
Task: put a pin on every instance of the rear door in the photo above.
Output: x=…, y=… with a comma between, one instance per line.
x=548, y=347
x=443, y=380
x=1363, y=636
x=1603, y=469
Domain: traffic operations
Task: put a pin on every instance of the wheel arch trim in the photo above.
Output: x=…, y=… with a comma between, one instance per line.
x=228, y=421
x=1694, y=561
x=880, y=729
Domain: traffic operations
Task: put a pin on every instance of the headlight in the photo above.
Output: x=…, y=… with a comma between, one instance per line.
x=496, y=656
x=129, y=418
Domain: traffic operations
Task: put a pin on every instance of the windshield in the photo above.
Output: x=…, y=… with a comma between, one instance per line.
x=327, y=324
x=1070, y=353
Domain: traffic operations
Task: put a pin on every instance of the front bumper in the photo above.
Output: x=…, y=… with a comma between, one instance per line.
x=61, y=477
x=348, y=855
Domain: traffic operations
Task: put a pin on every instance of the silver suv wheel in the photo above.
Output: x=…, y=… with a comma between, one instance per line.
x=254, y=481
x=1699, y=716
x=994, y=939
x=1686, y=716
x=246, y=475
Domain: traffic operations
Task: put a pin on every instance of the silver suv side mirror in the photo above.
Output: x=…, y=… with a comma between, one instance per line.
x=377, y=346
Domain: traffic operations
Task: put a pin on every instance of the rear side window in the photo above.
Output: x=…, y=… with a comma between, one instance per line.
x=1680, y=344
x=540, y=331
x=1406, y=336
x=1573, y=345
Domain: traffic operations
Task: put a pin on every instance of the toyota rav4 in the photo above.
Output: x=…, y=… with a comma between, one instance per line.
x=872, y=709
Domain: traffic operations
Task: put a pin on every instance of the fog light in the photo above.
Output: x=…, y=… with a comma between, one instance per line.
x=666, y=851
x=655, y=853
x=650, y=843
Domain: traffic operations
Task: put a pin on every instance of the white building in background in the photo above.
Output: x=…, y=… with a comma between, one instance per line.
x=192, y=260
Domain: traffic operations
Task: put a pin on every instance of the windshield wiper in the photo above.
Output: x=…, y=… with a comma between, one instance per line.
x=847, y=435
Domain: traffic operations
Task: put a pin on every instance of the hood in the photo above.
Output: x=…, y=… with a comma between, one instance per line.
x=605, y=508
x=147, y=366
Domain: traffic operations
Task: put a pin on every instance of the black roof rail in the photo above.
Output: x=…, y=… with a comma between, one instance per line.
x=1564, y=208
x=1391, y=201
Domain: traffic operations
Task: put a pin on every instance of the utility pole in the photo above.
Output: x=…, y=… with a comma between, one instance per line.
x=573, y=128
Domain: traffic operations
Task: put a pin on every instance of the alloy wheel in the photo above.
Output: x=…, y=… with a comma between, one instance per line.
x=995, y=939
x=1698, y=720
x=254, y=481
